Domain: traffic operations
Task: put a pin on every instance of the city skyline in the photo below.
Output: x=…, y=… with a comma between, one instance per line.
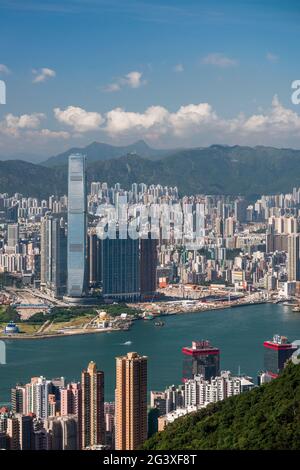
x=149, y=230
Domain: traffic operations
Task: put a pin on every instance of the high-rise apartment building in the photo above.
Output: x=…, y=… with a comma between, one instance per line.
x=131, y=401
x=77, y=213
x=294, y=257
x=12, y=238
x=109, y=413
x=93, y=422
x=71, y=404
x=201, y=392
x=61, y=432
x=20, y=432
x=41, y=396
x=18, y=399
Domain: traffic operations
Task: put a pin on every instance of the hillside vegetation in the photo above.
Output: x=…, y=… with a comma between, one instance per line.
x=214, y=170
x=267, y=417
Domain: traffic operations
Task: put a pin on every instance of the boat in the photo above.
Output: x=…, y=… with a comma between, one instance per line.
x=296, y=309
x=148, y=317
x=159, y=323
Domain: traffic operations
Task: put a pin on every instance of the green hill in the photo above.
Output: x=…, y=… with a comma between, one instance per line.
x=267, y=417
x=217, y=169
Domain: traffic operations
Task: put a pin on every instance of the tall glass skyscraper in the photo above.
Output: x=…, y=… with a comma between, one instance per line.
x=77, y=213
x=120, y=268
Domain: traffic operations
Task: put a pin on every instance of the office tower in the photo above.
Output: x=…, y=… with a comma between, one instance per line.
x=120, y=268
x=77, y=226
x=201, y=359
x=148, y=265
x=18, y=399
x=93, y=423
x=94, y=259
x=294, y=257
x=131, y=401
x=240, y=210
x=53, y=256
x=71, y=404
x=12, y=238
x=277, y=352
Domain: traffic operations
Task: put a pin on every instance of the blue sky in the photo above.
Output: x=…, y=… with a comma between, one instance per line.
x=172, y=72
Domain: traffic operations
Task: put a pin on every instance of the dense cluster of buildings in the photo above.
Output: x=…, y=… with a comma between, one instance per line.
x=77, y=245
x=56, y=415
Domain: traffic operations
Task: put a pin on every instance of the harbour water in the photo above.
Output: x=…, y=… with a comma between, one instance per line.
x=238, y=332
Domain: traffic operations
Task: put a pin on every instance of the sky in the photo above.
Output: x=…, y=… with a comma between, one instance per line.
x=176, y=73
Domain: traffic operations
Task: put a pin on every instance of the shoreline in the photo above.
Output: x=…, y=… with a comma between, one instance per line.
x=25, y=336
x=57, y=335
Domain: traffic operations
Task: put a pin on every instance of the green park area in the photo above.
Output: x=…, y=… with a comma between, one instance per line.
x=60, y=317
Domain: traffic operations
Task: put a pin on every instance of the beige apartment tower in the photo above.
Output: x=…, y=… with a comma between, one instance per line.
x=131, y=401
x=294, y=257
x=93, y=423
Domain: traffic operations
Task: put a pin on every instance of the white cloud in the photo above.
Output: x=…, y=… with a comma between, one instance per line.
x=112, y=87
x=119, y=121
x=178, y=68
x=4, y=69
x=202, y=121
x=41, y=75
x=49, y=134
x=25, y=121
x=189, y=121
x=278, y=120
x=219, y=60
x=132, y=80
x=27, y=127
x=79, y=119
x=12, y=125
x=189, y=125
x=272, y=57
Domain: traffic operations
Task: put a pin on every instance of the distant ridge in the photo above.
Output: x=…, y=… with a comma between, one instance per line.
x=217, y=169
x=98, y=151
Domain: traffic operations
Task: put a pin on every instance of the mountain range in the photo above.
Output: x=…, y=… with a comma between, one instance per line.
x=217, y=169
x=98, y=151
